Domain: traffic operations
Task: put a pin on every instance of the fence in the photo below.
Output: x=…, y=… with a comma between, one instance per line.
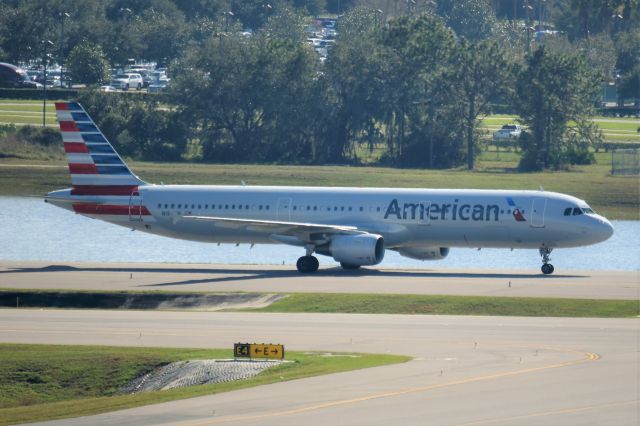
x=625, y=162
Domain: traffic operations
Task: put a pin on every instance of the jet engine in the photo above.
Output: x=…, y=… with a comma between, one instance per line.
x=357, y=250
x=424, y=253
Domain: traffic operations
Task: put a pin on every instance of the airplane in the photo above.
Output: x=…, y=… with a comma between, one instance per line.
x=354, y=226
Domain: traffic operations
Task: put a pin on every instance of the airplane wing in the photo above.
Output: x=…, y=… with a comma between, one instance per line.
x=306, y=232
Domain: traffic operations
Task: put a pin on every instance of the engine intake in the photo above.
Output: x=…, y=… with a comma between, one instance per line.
x=424, y=253
x=357, y=250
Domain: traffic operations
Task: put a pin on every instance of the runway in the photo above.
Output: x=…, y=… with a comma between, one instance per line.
x=466, y=370
x=284, y=279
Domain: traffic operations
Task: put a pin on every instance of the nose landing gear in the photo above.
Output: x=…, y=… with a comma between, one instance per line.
x=547, y=268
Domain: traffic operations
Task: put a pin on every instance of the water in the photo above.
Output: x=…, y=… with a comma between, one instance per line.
x=33, y=230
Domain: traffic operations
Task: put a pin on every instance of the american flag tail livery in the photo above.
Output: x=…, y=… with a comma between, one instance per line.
x=102, y=184
x=95, y=167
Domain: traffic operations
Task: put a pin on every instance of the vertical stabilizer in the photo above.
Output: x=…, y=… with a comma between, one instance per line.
x=95, y=166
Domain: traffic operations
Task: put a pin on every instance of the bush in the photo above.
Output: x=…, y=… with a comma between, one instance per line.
x=46, y=136
x=36, y=94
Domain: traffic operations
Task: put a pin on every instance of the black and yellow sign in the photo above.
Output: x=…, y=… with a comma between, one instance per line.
x=258, y=350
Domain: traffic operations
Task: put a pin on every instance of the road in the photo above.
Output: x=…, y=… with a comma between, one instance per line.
x=283, y=279
x=466, y=370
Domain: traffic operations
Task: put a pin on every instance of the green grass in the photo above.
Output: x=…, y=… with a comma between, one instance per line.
x=452, y=305
x=614, y=129
x=26, y=112
x=39, y=382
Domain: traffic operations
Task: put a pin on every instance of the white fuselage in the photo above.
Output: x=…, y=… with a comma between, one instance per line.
x=406, y=218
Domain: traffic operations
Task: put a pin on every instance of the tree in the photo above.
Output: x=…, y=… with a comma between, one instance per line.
x=418, y=52
x=628, y=66
x=552, y=91
x=483, y=75
x=248, y=97
x=471, y=19
x=87, y=64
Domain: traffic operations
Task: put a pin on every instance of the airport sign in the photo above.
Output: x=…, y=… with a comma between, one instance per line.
x=258, y=350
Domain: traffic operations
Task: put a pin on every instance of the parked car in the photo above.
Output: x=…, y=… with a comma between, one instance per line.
x=13, y=76
x=125, y=81
x=508, y=132
x=157, y=87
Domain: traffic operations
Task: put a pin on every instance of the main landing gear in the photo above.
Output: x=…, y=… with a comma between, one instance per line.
x=308, y=264
x=547, y=268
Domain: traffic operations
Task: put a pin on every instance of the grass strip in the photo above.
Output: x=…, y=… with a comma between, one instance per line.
x=46, y=382
x=452, y=305
x=348, y=303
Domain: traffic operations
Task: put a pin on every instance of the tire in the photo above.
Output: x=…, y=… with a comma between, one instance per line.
x=126, y=87
x=139, y=87
x=307, y=264
x=547, y=269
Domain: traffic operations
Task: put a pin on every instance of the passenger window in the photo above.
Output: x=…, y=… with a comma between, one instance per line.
x=267, y=207
x=315, y=208
x=567, y=211
x=577, y=211
x=239, y=206
x=361, y=208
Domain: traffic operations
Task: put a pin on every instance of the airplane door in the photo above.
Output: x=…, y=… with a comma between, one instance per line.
x=425, y=219
x=538, y=206
x=284, y=209
x=135, y=207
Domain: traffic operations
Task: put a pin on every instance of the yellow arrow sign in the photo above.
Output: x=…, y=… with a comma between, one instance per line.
x=258, y=350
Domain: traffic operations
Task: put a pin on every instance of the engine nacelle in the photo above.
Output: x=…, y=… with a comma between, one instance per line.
x=424, y=253
x=357, y=250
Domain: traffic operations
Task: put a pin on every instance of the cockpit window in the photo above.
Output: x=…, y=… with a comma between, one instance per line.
x=577, y=211
x=588, y=211
x=567, y=211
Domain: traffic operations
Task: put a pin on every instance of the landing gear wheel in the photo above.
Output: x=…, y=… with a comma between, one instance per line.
x=547, y=269
x=307, y=264
x=349, y=266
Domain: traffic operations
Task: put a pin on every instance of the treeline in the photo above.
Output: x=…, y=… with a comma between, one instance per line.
x=413, y=79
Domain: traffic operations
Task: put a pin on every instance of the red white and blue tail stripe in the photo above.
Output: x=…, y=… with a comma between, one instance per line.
x=102, y=184
x=95, y=167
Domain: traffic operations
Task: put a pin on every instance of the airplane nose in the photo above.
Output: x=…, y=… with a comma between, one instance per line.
x=605, y=229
